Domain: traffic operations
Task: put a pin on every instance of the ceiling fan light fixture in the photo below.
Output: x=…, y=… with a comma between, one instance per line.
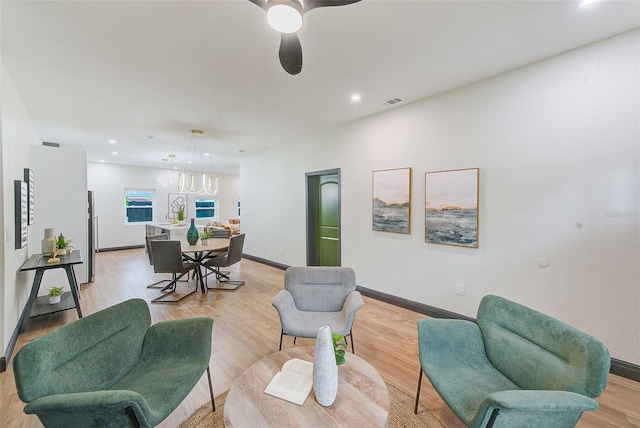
x=284, y=16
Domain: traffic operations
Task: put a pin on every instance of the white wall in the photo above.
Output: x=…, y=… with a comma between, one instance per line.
x=109, y=183
x=60, y=179
x=18, y=136
x=557, y=143
x=60, y=176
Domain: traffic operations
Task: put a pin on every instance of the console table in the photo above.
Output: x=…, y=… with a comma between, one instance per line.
x=362, y=400
x=40, y=305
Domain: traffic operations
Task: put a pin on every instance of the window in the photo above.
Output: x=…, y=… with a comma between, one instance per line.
x=138, y=206
x=205, y=208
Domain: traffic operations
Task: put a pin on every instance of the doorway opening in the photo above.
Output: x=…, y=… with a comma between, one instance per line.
x=323, y=218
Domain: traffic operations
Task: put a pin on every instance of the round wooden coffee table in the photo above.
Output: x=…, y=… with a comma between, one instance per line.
x=362, y=400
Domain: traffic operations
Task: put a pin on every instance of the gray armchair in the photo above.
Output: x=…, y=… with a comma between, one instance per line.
x=317, y=296
x=113, y=368
x=516, y=368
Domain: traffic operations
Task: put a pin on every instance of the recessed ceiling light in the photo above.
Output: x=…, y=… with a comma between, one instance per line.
x=206, y=154
x=151, y=137
x=102, y=160
x=112, y=141
x=355, y=98
x=584, y=3
x=114, y=153
x=241, y=151
x=188, y=161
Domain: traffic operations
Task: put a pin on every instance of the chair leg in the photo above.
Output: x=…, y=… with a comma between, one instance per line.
x=219, y=275
x=155, y=284
x=213, y=401
x=281, y=336
x=353, y=349
x=171, y=288
x=415, y=410
x=294, y=340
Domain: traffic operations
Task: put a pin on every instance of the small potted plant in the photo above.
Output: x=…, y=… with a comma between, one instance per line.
x=62, y=244
x=338, y=347
x=204, y=236
x=54, y=294
x=180, y=213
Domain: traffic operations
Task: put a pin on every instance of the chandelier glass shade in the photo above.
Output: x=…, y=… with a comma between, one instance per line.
x=196, y=177
x=168, y=175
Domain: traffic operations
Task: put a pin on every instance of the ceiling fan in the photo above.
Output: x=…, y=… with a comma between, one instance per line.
x=285, y=16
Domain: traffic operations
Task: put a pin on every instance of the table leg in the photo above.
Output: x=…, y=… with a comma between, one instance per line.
x=71, y=276
x=37, y=280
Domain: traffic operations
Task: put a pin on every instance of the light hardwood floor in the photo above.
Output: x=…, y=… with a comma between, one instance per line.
x=246, y=328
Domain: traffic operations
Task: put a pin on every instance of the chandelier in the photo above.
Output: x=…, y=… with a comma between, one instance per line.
x=168, y=175
x=195, y=177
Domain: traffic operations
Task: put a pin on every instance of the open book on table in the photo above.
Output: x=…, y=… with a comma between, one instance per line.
x=293, y=383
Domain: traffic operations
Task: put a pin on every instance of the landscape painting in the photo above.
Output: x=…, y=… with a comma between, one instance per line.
x=392, y=200
x=451, y=207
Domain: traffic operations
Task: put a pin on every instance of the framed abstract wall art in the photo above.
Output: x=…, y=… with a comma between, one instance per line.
x=177, y=204
x=451, y=207
x=392, y=200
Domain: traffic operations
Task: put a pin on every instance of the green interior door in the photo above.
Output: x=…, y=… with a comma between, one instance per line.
x=323, y=218
x=329, y=221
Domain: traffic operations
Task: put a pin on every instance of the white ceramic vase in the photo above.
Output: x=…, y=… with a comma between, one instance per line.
x=53, y=300
x=47, y=242
x=325, y=370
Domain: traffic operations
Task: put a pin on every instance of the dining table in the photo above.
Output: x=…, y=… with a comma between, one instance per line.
x=200, y=253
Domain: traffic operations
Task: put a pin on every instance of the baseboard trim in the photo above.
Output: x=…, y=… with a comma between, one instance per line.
x=128, y=247
x=420, y=308
x=265, y=262
x=4, y=360
x=625, y=369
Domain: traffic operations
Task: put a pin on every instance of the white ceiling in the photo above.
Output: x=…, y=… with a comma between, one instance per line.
x=91, y=71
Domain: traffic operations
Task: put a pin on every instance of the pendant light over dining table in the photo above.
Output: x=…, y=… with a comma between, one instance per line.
x=196, y=177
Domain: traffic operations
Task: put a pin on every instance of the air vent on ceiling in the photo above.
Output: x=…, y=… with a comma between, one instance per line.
x=48, y=144
x=392, y=101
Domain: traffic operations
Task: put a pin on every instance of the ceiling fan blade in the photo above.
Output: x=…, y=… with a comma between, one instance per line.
x=290, y=53
x=324, y=3
x=260, y=3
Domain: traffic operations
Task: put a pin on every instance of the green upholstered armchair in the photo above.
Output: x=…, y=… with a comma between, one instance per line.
x=113, y=368
x=516, y=368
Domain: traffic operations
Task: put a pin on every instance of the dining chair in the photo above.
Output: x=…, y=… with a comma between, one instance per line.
x=230, y=257
x=317, y=296
x=148, y=239
x=167, y=258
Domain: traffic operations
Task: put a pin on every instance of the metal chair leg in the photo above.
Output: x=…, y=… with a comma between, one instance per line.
x=213, y=401
x=281, y=336
x=221, y=282
x=353, y=349
x=171, y=288
x=415, y=410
